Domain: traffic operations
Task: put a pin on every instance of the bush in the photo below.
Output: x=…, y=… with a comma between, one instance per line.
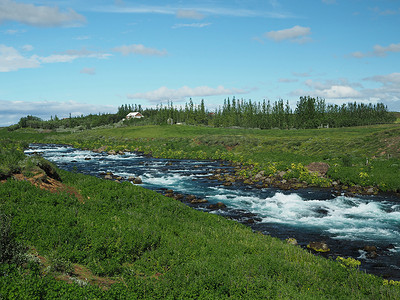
x=11, y=251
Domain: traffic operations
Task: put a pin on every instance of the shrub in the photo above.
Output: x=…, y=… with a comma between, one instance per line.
x=11, y=251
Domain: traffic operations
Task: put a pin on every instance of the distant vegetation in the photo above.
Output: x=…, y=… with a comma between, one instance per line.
x=309, y=113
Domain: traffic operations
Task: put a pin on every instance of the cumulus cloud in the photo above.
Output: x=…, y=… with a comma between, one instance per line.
x=332, y=89
x=12, y=60
x=296, y=34
x=390, y=89
x=196, y=25
x=189, y=14
x=89, y=71
x=164, y=93
x=41, y=16
x=139, y=49
x=12, y=111
x=378, y=51
x=341, y=90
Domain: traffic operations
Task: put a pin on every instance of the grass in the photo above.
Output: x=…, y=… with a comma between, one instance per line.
x=155, y=247
x=371, y=149
x=134, y=243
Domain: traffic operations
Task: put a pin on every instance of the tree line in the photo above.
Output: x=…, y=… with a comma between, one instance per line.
x=310, y=112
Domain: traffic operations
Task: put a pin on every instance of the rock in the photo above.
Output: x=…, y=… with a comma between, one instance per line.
x=249, y=221
x=118, y=178
x=101, y=149
x=88, y=158
x=372, y=254
x=370, y=190
x=369, y=248
x=191, y=198
x=259, y=176
x=198, y=201
x=112, y=152
x=281, y=174
x=137, y=180
x=109, y=177
x=178, y=196
x=318, y=246
x=227, y=183
x=131, y=178
x=218, y=205
x=291, y=241
x=319, y=167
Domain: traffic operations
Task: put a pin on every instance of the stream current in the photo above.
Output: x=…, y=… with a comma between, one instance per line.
x=346, y=224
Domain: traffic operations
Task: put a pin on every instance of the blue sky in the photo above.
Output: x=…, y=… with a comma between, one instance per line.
x=80, y=57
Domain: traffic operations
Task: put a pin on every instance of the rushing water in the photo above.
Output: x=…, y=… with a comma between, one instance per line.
x=346, y=224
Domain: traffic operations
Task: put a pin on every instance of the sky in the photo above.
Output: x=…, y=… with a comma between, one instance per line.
x=78, y=57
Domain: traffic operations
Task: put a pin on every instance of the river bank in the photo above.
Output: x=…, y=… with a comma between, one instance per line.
x=308, y=214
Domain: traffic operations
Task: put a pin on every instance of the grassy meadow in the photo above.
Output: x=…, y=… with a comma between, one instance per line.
x=100, y=239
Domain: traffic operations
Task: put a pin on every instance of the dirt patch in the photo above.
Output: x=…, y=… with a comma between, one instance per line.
x=41, y=180
x=80, y=274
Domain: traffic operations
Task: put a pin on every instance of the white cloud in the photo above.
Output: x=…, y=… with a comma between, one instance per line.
x=390, y=79
x=341, y=90
x=189, y=14
x=297, y=34
x=13, y=31
x=42, y=16
x=331, y=89
x=164, y=93
x=71, y=55
x=12, y=111
x=196, y=25
x=210, y=10
x=390, y=89
x=12, y=60
x=27, y=48
x=378, y=50
x=139, y=49
x=338, y=91
x=287, y=80
x=89, y=71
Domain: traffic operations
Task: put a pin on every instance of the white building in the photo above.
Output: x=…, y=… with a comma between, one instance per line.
x=134, y=115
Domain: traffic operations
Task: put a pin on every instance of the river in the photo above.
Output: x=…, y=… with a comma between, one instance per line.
x=346, y=224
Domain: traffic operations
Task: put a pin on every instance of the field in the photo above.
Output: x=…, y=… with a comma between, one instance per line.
x=91, y=238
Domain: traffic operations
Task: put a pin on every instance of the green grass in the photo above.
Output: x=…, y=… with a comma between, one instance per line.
x=364, y=146
x=156, y=247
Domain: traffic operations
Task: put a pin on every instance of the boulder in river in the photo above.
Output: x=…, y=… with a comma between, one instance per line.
x=138, y=180
x=318, y=246
x=218, y=205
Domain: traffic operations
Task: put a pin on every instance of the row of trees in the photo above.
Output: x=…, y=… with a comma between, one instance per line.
x=83, y=122
x=309, y=113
